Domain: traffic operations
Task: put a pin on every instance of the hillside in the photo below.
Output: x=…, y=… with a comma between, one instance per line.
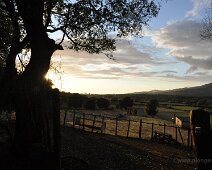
x=198, y=91
x=84, y=150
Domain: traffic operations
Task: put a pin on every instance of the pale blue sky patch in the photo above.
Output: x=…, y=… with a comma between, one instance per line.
x=198, y=7
x=171, y=10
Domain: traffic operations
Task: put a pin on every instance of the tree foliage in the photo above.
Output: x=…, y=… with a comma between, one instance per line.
x=76, y=101
x=206, y=30
x=90, y=103
x=6, y=35
x=126, y=102
x=85, y=24
x=27, y=25
x=103, y=103
x=151, y=107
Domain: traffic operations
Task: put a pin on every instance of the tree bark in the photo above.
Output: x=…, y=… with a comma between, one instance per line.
x=33, y=99
x=42, y=47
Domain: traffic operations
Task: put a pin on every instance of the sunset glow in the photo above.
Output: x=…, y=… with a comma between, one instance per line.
x=170, y=55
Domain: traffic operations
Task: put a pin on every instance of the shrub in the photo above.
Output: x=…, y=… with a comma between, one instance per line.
x=90, y=103
x=151, y=107
x=76, y=100
x=103, y=103
x=126, y=102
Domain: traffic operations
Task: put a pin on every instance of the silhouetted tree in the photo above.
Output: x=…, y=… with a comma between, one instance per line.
x=5, y=38
x=151, y=107
x=126, y=102
x=103, y=103
x=90, y=103
x=85, y=25
x=76, y=101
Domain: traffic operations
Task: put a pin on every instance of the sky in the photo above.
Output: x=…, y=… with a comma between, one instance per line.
x=170, y=55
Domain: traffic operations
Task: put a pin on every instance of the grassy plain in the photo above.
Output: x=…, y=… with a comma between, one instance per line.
x=164, y=116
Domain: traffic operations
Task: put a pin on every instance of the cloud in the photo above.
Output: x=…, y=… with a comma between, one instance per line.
x=169, y=72
x=198, y=5
x=126, y=53
x=195, y=62
x=199, y=77
x=130, y=61
x=184, y=42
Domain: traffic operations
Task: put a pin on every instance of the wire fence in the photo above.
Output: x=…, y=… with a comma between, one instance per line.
x=129, y=128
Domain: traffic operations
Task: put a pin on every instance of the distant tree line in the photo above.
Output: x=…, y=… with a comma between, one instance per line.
x=80, y=101
x=197, y=101
x=124, y=101
x=91, y=102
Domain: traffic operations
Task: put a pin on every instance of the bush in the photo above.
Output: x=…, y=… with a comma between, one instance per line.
x=126, y=102
x=151, y=107
x=76, y=100
x=103, y=103
x=90, y=103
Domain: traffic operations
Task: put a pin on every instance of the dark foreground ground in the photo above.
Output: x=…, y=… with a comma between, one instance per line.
x=84, y=150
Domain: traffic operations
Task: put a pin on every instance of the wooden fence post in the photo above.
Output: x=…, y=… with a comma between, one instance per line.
x=64, y=120
x=152, y=130
x=116, y=126
x=176, y=134
x=83, y=123
x=94, y=120
x=164, y=129
x=128, y=130
x=103, y=120
x=188, y=139
x=74, y=119
x=191, y=140
x=140, y=128
x=181, y=136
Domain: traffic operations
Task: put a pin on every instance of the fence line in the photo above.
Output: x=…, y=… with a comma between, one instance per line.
x=100, y=119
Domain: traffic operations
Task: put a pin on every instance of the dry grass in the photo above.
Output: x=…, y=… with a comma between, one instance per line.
x=122, y=128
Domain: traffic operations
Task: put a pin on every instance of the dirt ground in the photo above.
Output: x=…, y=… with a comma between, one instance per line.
x=85, y=150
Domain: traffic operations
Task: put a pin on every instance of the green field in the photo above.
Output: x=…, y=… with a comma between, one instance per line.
x=166, y=113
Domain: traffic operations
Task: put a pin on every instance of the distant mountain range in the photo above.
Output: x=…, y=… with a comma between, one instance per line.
x=199, y=91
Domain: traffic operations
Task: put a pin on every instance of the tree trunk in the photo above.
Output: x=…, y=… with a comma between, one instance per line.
x=35, y=142
x=33, y=103
x=8, y=80
x=33, y=98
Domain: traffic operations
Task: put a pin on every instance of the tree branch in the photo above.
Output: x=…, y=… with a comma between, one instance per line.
x=23, y=43
x=58, y=47
x=49, y=9
x=23, y=66
x=13, y=15
x=104, y=16
x=55, y=29
x=3, y=7
x=9, y=7
x=87, y=46
x=65, y=26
